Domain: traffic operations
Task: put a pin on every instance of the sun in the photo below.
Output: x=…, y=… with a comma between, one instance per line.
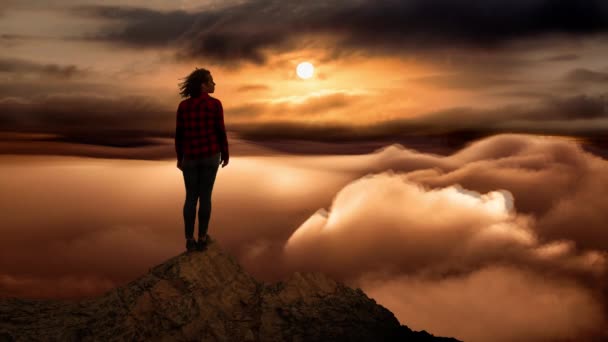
x=305, y=70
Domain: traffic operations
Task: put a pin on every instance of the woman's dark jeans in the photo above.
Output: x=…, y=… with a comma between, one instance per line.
x=199, y=177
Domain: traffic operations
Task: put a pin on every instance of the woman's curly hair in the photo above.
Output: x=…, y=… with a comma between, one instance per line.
x=191, y=86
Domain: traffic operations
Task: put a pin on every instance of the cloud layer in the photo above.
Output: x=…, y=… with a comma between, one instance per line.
x=569, y=115
x=435, y=232
x=508, y=231
x=241, y=31
x=91, y=119
x=431, y=253
x=421, y=238
x=139, y=121
x=21, y=67
x=506, y=304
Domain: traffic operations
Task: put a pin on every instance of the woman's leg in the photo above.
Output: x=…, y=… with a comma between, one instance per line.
x=191, y=181
x=207, y=180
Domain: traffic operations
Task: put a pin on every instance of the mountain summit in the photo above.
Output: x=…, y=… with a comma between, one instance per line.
x=207, y=296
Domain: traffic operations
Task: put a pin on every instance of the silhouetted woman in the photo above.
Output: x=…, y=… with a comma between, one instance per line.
x=201, y=145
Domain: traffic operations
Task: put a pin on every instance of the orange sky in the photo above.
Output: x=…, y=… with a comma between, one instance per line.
x=377, y=65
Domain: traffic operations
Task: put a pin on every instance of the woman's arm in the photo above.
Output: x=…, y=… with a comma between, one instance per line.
x=179, y=134
x=223, y=137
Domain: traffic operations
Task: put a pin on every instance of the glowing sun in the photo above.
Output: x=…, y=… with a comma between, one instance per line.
x=305, y=70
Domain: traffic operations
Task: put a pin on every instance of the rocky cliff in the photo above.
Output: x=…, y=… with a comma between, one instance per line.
x=206, y=296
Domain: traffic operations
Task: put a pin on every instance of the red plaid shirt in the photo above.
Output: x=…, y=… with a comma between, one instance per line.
x=199, y=128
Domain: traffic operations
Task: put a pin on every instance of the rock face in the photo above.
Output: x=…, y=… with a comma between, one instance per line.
x=206, y=296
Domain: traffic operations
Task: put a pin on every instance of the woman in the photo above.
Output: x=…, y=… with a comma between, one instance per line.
x=201, y=145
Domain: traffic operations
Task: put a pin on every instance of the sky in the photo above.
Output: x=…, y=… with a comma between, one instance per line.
x=382, y=68
x=354, y=172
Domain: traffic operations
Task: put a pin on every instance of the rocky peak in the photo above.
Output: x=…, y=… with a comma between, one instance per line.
x=207, y=296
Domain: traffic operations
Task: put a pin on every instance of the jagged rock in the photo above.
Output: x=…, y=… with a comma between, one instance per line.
x=207, y=296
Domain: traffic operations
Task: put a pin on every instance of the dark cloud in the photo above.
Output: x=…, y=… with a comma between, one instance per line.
x=240, y=32
x=473, y=23
x=253, y=87
x=8, y=40
x=475, y=81
x=128, y=148
x=304, y=131
x=134, y=122
x=144, y=27
x=563, y=109
x=475, y=65
x=109, y=121
x=20, y=66
x=562, y=58
x=533, y=95
x=20, y=87
x=120, y=147
x=11, y=40
x=591, y=110
x=586, y=75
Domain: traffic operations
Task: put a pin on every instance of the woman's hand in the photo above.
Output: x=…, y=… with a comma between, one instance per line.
x=224, y=159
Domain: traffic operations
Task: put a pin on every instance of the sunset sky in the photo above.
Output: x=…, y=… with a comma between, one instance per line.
x=106, y=72
x=503, y=238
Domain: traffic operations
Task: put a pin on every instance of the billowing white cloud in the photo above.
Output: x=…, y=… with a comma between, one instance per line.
x=388, y=221
x=432, y=251
x=415, y=245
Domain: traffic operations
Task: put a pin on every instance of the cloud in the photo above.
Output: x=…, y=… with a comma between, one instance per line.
x=563, y=58
x=145, y=27
x=291, y=130
x=74, y=225
x=317, y=104
x=135, y=121
x=117, y=147
x=467, y=81
x=253, y=87
x=102, y=120
x=240, y=32
x=562, y=174
x=572, y=115
x=495, y=303
x=396, y=225
x=92, y=213
x=21, y=87
x=10, y=40
x=486, y=24
x=20, y=67
x=534, y=95
x=508, y=231
x=561, y=109
x=585, y=75
x=75, y=286
x=90, y=274
x=134, y=126
x=429, y=239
